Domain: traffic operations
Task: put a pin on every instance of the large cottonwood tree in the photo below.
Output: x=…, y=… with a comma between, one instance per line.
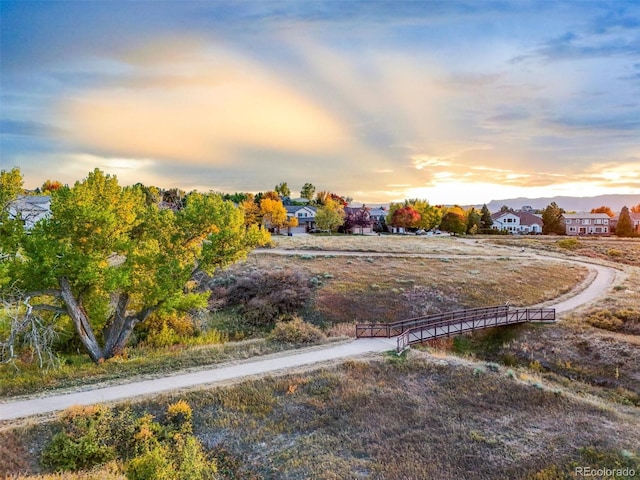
x=107, y=258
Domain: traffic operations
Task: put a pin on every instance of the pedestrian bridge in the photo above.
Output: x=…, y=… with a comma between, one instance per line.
x=440, y=325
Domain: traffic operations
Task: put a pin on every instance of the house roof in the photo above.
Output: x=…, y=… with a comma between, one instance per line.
x=585, y=215
x=38, y=201
x=526, y=218
x=378, y=212
x=30, y=208
x=296, y=208
x=497, y=215
x=634, y=216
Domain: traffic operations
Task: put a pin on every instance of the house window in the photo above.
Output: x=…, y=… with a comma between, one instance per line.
x=572, y=229
x=568, y=221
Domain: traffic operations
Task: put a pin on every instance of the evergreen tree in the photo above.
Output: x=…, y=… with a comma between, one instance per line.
x=552, y=221
x=625, y=225
x=485, y=220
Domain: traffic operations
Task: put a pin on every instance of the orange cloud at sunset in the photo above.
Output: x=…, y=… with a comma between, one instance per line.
x=202, y=115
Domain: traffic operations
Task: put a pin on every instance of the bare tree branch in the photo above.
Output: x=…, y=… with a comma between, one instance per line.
x=50, y=308
x=27, y=329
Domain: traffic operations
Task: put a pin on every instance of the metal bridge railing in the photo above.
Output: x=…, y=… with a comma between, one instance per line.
x=430, y=327
x=397, y=328
x=457, y=326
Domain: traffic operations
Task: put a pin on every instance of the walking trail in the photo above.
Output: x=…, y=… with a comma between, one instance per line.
x=596, y=286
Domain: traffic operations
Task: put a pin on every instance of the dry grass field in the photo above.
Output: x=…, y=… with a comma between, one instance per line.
x=436, y=244
x=382, y=289
x=617, y=250
x=413, y=417
x=525, y=402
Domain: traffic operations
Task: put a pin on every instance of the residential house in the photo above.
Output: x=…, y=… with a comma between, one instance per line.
x=358, y=220
x=517, y=222
x=379, y=218
x=635, y=220
x=306, y=216
x=30, y=208
x=586, y=223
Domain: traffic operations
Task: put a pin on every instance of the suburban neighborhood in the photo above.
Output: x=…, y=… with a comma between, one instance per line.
x=363, y=219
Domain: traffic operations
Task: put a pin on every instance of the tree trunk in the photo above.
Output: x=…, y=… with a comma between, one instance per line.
x=113, y=330
x=81, y=322
x=119, y=338
x=116, y=334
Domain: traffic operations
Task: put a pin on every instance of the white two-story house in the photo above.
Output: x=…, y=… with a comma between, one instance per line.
x=517, y=222
x=306, y=216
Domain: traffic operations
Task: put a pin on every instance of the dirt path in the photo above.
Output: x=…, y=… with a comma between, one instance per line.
x=594, y=288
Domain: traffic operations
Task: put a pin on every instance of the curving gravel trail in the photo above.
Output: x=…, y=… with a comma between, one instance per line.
x=597, y=285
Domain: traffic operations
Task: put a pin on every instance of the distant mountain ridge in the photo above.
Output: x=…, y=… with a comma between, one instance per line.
x=578, y=204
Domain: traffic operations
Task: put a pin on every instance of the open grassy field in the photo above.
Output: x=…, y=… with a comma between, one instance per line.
x=524, y=402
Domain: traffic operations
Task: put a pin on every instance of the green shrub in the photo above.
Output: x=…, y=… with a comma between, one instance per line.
x=192, y=462
x=154, y=464
x=296, y=331
x=179, y=416
x=569, y=243
x=93, y=436
x=163, y=338
x=84, y=442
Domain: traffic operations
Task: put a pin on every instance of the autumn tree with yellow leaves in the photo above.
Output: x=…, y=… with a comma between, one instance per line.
x=107, y=259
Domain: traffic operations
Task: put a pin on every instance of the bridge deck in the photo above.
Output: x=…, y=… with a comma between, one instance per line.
x=422, y=329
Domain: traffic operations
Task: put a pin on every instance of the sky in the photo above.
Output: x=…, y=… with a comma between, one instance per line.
x=450, y=101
